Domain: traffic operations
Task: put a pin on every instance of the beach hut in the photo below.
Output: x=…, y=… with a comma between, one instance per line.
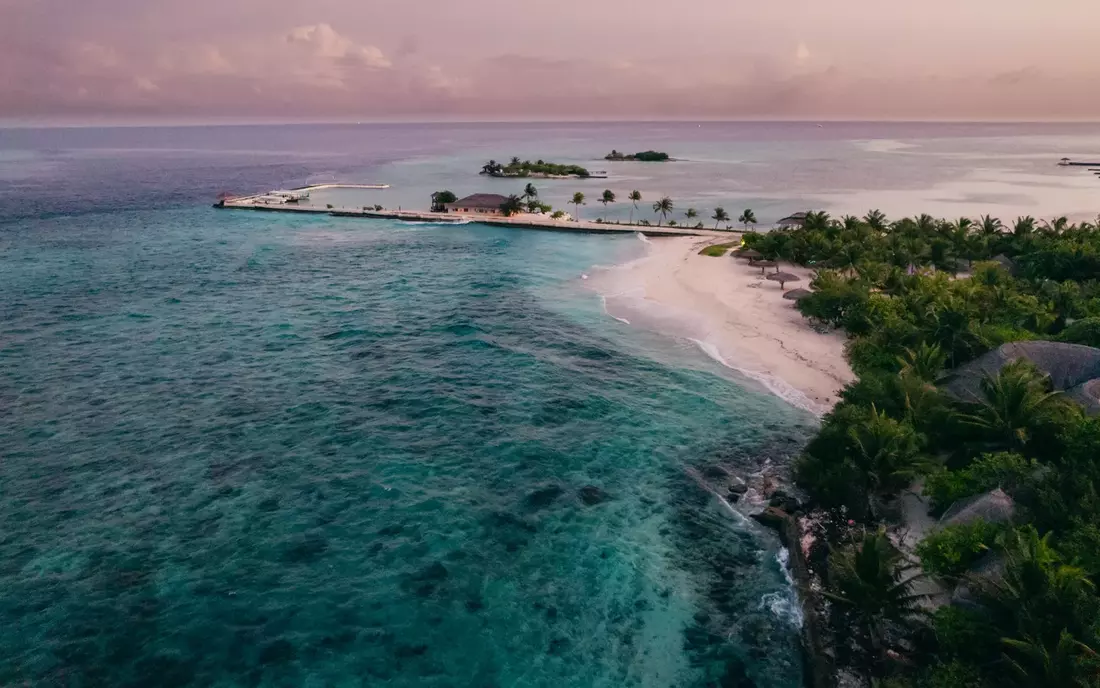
x=1073, y=368
x=792, y=220
x=750, y=253
x=797, y=294
x=783, y=278
x=764, y=264
x=481, y=204
x=992, y=507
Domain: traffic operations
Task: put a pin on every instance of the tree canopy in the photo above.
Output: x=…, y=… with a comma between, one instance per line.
x=918, y=298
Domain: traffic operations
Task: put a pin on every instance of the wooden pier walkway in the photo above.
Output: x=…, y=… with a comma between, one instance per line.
x=520, y=221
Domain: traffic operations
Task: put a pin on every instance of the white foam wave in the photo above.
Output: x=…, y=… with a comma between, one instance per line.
x=603, y=302
x=784, y=606
x=414, y=223
x=643, y=238
x=776, y=386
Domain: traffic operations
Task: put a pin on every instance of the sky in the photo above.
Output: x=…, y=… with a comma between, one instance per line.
x=337, y=60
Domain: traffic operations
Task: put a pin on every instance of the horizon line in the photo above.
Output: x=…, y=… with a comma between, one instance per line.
x=111, y=123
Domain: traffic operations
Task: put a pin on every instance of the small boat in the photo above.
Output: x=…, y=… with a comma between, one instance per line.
x=1064, y=162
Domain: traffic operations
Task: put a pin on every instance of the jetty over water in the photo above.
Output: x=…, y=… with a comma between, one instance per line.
x=258, y=203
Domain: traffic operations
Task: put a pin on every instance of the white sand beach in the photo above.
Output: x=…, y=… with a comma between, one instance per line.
x=733, y=314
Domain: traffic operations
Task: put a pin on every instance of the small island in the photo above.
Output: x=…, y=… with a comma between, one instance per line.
x=539, y=168
x=644, y=156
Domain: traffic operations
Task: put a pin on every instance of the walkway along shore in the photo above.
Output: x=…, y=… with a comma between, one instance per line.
x=521, y=221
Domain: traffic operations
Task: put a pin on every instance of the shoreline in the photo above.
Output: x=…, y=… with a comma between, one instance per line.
x=734, y=315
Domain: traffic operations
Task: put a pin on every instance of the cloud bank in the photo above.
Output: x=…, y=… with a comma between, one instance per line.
x=488, y=59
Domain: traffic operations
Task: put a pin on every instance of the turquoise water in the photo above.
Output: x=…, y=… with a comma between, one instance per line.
x=254, y=450
x=244, y=449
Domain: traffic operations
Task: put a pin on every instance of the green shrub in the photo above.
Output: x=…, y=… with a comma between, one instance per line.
x=953, y=674
x=952, y=551
x=1004, y=470
x=1085, y=332
x=717, y=250
x=965, y=634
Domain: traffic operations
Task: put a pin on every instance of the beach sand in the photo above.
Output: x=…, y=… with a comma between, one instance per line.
x=733, y=314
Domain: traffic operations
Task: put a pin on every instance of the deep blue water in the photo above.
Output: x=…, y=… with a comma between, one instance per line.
x=245, y=449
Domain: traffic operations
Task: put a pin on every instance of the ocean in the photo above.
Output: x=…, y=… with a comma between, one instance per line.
x=255, y=449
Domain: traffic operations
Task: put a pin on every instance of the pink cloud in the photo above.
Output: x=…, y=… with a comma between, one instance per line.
x=574, y=58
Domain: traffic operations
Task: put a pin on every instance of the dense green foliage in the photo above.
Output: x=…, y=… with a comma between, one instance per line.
x=644, y=156
x=1085, y=332
x=952, y=551
x=919, y=297
x=526, y=168
x=441, y=198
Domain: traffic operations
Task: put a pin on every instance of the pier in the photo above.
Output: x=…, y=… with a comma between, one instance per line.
x=523, y=221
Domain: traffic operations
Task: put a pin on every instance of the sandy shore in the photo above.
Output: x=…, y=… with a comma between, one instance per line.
x=733, y=314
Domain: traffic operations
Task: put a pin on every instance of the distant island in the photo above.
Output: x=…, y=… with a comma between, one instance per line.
x=644, y=156
x=539, y=168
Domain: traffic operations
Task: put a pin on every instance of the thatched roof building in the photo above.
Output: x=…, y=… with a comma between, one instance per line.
x=991, y=507
x=792, y=220
x=1072, y=368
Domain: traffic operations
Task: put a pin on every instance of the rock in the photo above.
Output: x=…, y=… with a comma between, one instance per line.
x=540, y=499
x=733, y=497
x=772, y=517
x=591, y=495
x=716, y=472
x=784, y=501
x=738, y=488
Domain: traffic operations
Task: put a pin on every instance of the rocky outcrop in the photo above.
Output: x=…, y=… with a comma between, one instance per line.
x=820, y=671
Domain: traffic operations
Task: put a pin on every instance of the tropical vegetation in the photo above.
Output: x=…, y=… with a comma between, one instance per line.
x=644, y=156
x=526, y=168
x=440, y=199
x=919, y=298
x=578, y=201
x=663, y=207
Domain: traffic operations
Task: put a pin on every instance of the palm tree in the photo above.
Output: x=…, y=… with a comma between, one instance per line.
x=1012, y=404
x=664, y=207
x=989, y=226
x=514, y=163
x=1023, y=227
x=926, y=362
x=1046, y=599
x=691, y=214
x=1069, y=663
x=876, y=220
x=608, y=197
x=513, y=205
x=866, y=582
x=720, y=215
x=634, y=197
x=887, y=451
x=530, y=192
x=578, y=201
x=490, y=168
x=747, y=218
x=817, y=221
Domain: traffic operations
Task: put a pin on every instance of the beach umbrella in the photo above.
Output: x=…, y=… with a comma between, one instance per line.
x=797, y=294
x=783, y=278
x=750, y=253
x=762, y=264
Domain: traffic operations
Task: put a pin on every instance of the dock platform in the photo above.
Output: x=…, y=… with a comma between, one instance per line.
x=522, y=221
